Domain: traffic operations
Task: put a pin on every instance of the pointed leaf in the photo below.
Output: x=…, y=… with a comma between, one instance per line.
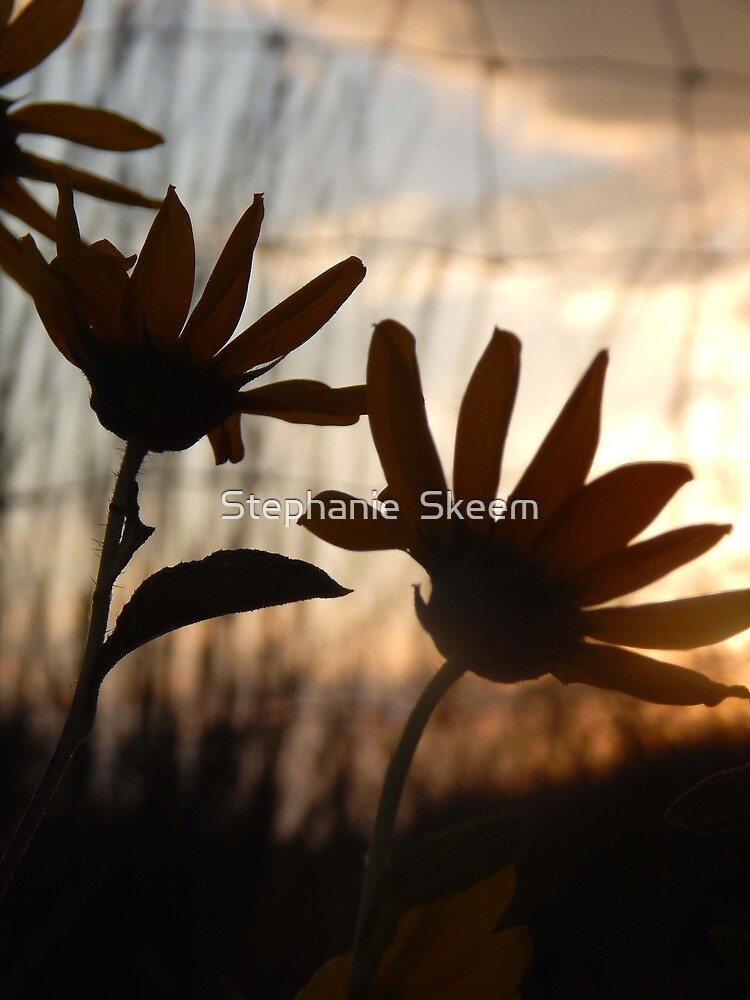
x=226, y=582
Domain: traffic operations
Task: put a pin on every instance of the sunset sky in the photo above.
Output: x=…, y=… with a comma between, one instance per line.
x=577, y=173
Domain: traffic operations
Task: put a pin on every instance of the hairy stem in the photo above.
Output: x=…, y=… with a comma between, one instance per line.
x=80, y=720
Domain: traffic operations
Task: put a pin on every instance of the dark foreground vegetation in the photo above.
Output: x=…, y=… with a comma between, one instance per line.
x=159, y=878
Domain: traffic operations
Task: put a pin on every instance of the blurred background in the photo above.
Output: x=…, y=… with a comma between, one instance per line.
x=576, y=172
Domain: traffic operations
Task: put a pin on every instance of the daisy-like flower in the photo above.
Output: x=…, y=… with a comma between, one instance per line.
x=444, y=950
x=514, y=599
x=160, y=377
x=25, y=41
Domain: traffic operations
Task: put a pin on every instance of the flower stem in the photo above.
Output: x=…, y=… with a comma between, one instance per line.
x=362, y=970
x=80, y=720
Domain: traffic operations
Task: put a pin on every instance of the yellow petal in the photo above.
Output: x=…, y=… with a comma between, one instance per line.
x=484, y=418
x=38, y=168
x=226, y=441
x=218, y=310
x=399, y=424
x=491, y=969
x=293, y=321
x=682, y=624
x=302, y=401
x=446, y=948
x=16, y=200
x=161, y=286
x=361, y=530
x=35, y=32
x=92, y=127
x=606, y=514
x=643, y=677
x=644, y=562
x=564, y=458
x=330, y=981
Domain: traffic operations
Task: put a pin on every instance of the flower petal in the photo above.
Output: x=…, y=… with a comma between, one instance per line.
x=16, y=200
x=6, y=9
x=638, y=565
x=683, y=624
x=564, y=458
x=35, y=32
x=93, y=127
x=96, y=286
x=68, y=233
x=11, y=257
x=362, y=529
x=293, y=321
x=161, y=286
x=399, y=423
x=52, y=302
x=302, y=401
x=643, y=677
x=219, y=308
x=226, y=440
x=606, y=514
x=484, y=418
x=39, y=168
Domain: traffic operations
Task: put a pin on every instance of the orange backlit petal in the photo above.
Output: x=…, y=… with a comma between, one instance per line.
x=16, y=200
x=644, y=677
x=35, y=32
x=51, y=301
x=606, y=514
x=644, y=562
x=564, y=458
x=161, y=286
x=398, y=422
x=226, y=441
x=302, y=401
x=484, y=418
x=68, y=233
x=11, y=257
x=96, y=286
x=682, y=624
x=92, y=127
x=219, y=308
x=293, y=321
x=39, y=168
x=362, y=530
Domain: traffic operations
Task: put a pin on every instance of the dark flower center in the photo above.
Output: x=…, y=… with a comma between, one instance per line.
x=165, y=401
x=498, y=614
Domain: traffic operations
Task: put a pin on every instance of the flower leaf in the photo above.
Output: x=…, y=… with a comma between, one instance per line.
x=719, y=802
x=451, y=860
x=226, y=582
x=436, y=867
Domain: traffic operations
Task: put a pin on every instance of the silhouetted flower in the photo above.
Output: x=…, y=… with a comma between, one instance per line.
x=25, y=41
x=444, y=950
x=162, y=378
x=516, y=598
